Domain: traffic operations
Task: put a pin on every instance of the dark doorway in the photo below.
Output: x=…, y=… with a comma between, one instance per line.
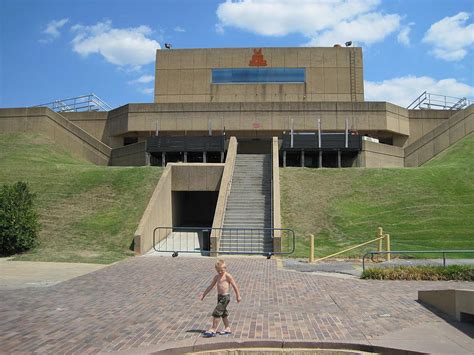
x=194, y=208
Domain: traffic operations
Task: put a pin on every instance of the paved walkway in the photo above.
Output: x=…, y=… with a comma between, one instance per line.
x=354, y=267
x=149, y=302
x=23, y=274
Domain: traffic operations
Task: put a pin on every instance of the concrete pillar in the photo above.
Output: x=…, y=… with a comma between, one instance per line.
x=185, y=157
x=204, y=157
x=147, y=159
x=320, y=159
x=284, y=158
x=222, y=157
x=163, y=159
x=338, y=158
x=302, y=158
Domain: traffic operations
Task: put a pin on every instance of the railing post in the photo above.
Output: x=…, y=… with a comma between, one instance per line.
x=380, y=235
x=311, y=248
x=387, y=241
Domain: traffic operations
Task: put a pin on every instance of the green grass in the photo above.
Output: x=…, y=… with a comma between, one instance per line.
x=432, y=273
x=430, y=207
x=88, y=213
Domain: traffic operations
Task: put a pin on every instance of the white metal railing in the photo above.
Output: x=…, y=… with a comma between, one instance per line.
x=435, y=101
x=83, y=103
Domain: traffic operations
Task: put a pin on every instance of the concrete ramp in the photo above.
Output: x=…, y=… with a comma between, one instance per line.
x=188, y=243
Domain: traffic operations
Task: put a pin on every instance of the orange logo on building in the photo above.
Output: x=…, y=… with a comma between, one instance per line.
x=257, y=59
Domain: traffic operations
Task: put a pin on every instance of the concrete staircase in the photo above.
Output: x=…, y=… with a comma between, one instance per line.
x=249, y=206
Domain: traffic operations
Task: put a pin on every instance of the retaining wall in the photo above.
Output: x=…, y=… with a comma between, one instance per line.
x=130, y=155
x=224, y=191
x=59, y=129
x=431, y=144
x=378, y=155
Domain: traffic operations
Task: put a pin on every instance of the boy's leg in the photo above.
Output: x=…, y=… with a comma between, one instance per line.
x=226, y=323
x=215, y=324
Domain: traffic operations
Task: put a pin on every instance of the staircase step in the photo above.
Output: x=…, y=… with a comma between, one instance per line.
x=248, y=209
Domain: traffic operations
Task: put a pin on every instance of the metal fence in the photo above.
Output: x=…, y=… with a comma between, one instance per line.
x=443, y=252
x=232, y=241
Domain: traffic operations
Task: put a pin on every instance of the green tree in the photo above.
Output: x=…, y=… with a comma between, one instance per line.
x=19, y=224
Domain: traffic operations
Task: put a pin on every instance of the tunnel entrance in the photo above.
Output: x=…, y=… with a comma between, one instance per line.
x=194, y=208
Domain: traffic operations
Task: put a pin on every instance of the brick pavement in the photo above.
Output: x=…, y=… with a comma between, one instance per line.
x=154, y=300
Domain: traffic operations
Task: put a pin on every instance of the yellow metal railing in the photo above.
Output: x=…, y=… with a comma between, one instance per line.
x=380, y=237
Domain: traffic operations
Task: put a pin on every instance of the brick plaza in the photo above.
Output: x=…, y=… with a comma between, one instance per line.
x=149, y=301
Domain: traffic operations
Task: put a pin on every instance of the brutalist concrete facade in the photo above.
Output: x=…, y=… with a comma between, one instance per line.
x=188, y=102
x=331, y=74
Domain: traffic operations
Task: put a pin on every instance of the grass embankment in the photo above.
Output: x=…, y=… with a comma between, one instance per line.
x=426, y=273
x=88, y=213
x=430, y=207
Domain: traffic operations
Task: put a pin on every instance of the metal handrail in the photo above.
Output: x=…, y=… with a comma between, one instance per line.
x=442, y=101
x=444, y=252
x=90, y=102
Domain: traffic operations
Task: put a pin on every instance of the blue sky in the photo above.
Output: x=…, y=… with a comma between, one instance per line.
x=53, y=49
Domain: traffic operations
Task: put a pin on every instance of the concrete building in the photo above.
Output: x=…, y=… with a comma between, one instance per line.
x=303, y=106
x=255, y=94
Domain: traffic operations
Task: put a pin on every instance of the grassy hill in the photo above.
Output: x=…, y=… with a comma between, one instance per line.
x=88, y=213
x=430, y=207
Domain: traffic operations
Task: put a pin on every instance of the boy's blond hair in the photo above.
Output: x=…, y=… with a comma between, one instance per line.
x=220, y=263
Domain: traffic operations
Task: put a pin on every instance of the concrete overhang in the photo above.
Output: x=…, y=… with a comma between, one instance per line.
x=264, y=116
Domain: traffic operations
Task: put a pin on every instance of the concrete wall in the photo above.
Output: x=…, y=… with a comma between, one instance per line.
x=224, y=191
x=452, y=302
x=130, y=155
x=159, y=211
x=93, y=123
x=276, y=195
x=261, y=119
x=424, y=121
x=64, y=133
x=431, y=144
x=196, y=176
x=378, y=155
x=332, y=74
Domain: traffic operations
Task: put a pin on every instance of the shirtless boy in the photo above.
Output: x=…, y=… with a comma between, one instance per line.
x=223, y=280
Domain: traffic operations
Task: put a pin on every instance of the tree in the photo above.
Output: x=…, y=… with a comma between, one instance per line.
x=19, y=224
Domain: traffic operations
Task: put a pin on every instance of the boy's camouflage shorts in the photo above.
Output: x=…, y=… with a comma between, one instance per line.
x=221, y=309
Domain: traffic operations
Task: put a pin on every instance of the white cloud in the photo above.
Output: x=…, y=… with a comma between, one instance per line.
x=451, y=37
x=404, y=90
x=147, y=91
x=179, y=29
x=52, y=29
x=404, y=35
x=120, y=46
x=358, y=30
x=144, y=79
x=323, y=22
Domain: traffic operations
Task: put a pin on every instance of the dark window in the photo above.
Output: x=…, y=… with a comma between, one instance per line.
x=130, y=140
x=258, y=75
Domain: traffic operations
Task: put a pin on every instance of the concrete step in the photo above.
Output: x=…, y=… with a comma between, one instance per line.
x=246, y=220
x=245, y=225
x=249, y=228
x=248, y=205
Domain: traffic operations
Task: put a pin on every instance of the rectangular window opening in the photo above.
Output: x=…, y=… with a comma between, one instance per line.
x=257, y=75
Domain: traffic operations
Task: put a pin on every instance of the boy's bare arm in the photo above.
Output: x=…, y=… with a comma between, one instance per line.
x=213, y=283
x=235, y=287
